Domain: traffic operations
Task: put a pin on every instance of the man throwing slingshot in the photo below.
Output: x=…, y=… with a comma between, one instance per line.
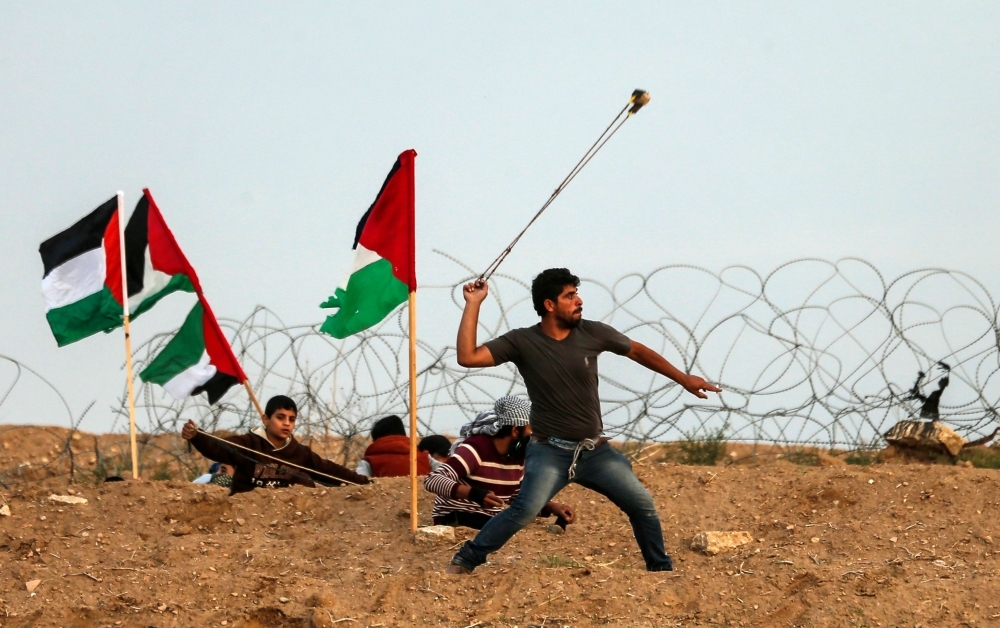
x=558, y=361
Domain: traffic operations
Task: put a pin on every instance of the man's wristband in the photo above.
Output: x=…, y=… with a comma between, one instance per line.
x=478, y=494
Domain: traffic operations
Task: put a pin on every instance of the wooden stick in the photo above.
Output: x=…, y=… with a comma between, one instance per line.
x=253, y=398
x=413, y=410
x=128, y=338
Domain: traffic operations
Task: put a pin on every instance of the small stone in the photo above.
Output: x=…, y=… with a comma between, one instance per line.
x=161, y=607
x=815, y=539
x=712, y=543
x=892, y=539
x=240, y=521
x=67, y=499
x=790, y=527
x=871, y=481
x=434, y=535
x=273, y=523
x=4, y=511
x=283, y=600
x=31, y=585
x=42, y=518
x=554, y=529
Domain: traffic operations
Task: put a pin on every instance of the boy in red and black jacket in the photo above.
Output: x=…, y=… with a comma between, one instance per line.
x=276, y=441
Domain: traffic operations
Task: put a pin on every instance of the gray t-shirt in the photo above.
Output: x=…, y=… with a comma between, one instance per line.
x=561, y=375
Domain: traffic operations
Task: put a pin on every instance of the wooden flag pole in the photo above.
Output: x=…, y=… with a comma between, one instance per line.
x=253, y=398
x=128, y=338
x=413, y=410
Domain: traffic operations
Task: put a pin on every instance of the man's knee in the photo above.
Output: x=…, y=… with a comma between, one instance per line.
x=523, y=510
x=636, y=501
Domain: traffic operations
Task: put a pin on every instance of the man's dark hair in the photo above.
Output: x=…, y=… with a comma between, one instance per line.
x=390, y=425
x=549, y=284
x=504, y=431
x=435, y=445
x=280, y=402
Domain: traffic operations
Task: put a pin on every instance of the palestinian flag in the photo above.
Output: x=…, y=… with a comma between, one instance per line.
x=154, y=263
x=384, y=271
x=83, y=274
x=198, y=359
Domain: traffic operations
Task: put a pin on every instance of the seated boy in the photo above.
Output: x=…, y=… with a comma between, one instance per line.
x=436, y=446
x=389, y=454
x=484, y=474
x=219, y=474
x=274, y=439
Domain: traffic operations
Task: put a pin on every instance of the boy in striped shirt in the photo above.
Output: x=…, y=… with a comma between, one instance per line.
x=484, y=472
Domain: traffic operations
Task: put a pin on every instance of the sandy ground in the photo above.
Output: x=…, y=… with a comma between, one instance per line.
x=886, y=545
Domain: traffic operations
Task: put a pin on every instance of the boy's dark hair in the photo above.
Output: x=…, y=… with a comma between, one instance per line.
x=390, y=425
x=280, y=402
x=435, y=445
x=549, y=285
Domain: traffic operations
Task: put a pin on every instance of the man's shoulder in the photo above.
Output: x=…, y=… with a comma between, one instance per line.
x=477, y=441
x=477, y=446
x=598, y=329
x=587, y=324
x=522, y=331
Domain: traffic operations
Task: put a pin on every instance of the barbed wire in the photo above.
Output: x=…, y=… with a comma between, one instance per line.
x=813, y=353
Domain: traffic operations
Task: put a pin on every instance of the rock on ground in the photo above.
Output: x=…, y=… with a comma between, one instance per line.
x=925, y=435
x=712, y=543
x=435, y=534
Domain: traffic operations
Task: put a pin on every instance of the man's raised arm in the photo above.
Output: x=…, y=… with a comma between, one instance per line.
x=655, y=362
x=469, y=353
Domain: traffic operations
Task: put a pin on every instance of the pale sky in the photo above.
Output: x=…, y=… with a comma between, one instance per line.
x=264, y=130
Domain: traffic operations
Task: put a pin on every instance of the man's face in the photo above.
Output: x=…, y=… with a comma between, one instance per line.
x=518, y=448
x=568, y=308
x=281, y=424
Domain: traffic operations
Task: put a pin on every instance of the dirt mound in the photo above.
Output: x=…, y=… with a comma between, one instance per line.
x=833, y=546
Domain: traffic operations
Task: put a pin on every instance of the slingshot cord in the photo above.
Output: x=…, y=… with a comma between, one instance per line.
x=593, y=150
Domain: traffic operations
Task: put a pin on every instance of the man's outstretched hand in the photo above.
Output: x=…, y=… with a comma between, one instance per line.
x=562, y=510
x=697, y=386
x=476, y=291
x=189, y=431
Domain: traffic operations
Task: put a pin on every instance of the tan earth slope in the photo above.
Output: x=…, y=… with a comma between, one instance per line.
x=835, y=546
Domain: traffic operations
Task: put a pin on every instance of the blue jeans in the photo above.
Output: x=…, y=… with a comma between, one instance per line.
x=546, y=467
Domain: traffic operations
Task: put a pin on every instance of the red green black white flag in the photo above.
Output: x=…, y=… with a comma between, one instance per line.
x=197, y=359
x=384, y=271
x=82, y=280
x=154, y=263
